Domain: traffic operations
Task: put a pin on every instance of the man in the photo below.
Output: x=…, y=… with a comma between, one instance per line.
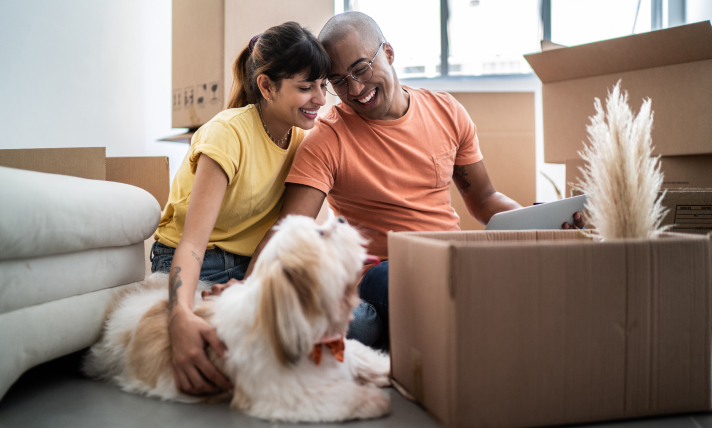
x=384, y=157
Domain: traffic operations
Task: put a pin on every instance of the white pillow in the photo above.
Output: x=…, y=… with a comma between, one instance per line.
x=43, y=214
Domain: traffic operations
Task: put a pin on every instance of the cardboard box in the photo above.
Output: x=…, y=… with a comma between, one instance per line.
x=679, y=172
x=149, y=173
x=528, y=328
x=689, y=210
x=688, y=191
x=506, y=132
x=207, y=37
x=672, y=67
x=85, y=162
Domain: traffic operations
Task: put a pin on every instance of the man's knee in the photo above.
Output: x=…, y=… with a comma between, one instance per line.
x=366, y=327
x=374, y=285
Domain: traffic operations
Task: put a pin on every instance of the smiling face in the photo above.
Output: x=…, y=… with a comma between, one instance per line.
x=372, y=99
x=297, y=101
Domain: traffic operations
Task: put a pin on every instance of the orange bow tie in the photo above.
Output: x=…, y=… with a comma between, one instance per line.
x=336, y=347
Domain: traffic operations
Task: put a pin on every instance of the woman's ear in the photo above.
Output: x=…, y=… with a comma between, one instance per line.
x=267, y=86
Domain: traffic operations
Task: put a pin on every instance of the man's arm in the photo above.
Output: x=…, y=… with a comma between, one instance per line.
x=480, y=196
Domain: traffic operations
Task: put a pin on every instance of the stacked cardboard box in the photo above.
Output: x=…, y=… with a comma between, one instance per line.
x=505, y=129
x=207, y=37
x=673, y=68
x=530, y=328
x=687, y=195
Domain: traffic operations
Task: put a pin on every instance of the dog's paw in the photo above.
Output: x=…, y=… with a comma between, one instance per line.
x=382, y=380
x=374, y=404
x=377, y=372
x=368, y=367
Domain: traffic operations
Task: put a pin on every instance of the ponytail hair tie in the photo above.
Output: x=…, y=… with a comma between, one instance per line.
x=251, y=46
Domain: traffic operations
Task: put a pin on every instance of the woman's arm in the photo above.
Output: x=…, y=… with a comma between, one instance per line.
x=190, y=334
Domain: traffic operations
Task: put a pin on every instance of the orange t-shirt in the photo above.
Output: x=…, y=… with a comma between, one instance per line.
x=389, y=174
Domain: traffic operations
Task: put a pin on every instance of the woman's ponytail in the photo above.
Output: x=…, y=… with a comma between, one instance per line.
x=240, y=79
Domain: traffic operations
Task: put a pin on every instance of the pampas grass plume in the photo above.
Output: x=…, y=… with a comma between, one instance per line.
x=621, y=179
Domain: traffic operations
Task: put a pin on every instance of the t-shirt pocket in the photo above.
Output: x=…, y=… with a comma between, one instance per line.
x=444, y=164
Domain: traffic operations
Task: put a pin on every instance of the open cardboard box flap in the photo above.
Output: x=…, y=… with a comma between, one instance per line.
x=675, y=45
x=672, y=67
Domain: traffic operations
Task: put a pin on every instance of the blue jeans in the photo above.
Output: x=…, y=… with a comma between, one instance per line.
x=218, y=265
x=370, y=323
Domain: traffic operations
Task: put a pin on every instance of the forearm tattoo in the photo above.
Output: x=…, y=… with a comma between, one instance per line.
x=196, y=257
x=173, y=285
x=459, y=174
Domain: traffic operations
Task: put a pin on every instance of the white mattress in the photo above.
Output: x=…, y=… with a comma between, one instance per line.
x=29, y=282
x=43, y=214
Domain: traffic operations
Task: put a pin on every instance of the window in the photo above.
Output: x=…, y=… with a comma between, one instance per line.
x=575, y=22
x=412, y=28
x=490, y=37
x=484, y=36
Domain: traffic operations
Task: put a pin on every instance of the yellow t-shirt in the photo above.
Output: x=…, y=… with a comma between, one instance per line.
x=256, y=169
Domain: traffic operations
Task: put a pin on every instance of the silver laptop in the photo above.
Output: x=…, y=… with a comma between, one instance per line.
x=550, y=215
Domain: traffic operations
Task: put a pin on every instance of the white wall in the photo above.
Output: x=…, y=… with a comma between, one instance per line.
x=83, y=73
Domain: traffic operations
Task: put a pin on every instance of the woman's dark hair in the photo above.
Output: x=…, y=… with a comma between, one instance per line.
x=281, y=52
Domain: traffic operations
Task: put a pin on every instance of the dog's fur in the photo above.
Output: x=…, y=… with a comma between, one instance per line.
x=303, y=289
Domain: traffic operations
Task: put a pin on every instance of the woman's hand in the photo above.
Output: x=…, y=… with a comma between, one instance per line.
x=194, y=372
x=217, y=289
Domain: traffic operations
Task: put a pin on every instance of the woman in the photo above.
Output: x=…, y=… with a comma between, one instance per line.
x=228, y=191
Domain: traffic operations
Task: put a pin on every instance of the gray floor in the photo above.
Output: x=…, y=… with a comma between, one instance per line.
x=55, y=395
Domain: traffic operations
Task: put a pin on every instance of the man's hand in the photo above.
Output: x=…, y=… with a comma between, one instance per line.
x=578, y=222
x=194, y=372
x=217, y=289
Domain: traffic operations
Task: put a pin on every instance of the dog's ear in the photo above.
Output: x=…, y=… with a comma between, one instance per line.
x=287, y=302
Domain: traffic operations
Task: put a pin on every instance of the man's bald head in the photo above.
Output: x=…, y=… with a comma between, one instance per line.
x=343, y=24
x=353, y=38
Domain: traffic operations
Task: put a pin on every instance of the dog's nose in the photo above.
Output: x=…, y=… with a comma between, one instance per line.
x=341, y=219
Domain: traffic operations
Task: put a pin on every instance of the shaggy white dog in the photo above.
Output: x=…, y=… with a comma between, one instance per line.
x=283, y=329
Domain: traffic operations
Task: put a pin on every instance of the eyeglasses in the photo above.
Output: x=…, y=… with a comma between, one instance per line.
x=360, y=72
